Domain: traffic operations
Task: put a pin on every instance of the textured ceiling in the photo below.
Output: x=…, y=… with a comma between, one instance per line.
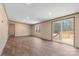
x=38, y=12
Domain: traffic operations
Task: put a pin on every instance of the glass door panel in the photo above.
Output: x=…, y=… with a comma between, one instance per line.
x=57, y=30
x=68, y=31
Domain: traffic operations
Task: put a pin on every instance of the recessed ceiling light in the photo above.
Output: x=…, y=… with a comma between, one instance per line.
x=50, y=13
x=27, y=17
x=28, y=3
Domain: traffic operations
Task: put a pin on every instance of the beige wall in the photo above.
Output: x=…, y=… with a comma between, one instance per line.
x=45, y=31
x=77, y=31
x=3, y=28
x=22, y=29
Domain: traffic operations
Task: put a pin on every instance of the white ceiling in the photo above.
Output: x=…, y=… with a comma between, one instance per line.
x=37, y=12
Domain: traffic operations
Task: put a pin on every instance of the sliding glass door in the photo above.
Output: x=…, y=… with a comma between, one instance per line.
x=63, y=31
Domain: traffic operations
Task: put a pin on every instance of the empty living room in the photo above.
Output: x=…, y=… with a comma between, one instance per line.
x=39, y=29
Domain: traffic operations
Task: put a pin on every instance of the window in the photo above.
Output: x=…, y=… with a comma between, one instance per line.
x=37, y=28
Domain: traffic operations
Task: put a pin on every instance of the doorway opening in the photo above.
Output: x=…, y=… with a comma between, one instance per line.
x=63, y=31
x=11, y=30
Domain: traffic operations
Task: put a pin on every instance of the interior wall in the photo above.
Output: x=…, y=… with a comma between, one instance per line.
x=22, y=29
x=45, y=30
x=3, y=28
x=77, y=31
